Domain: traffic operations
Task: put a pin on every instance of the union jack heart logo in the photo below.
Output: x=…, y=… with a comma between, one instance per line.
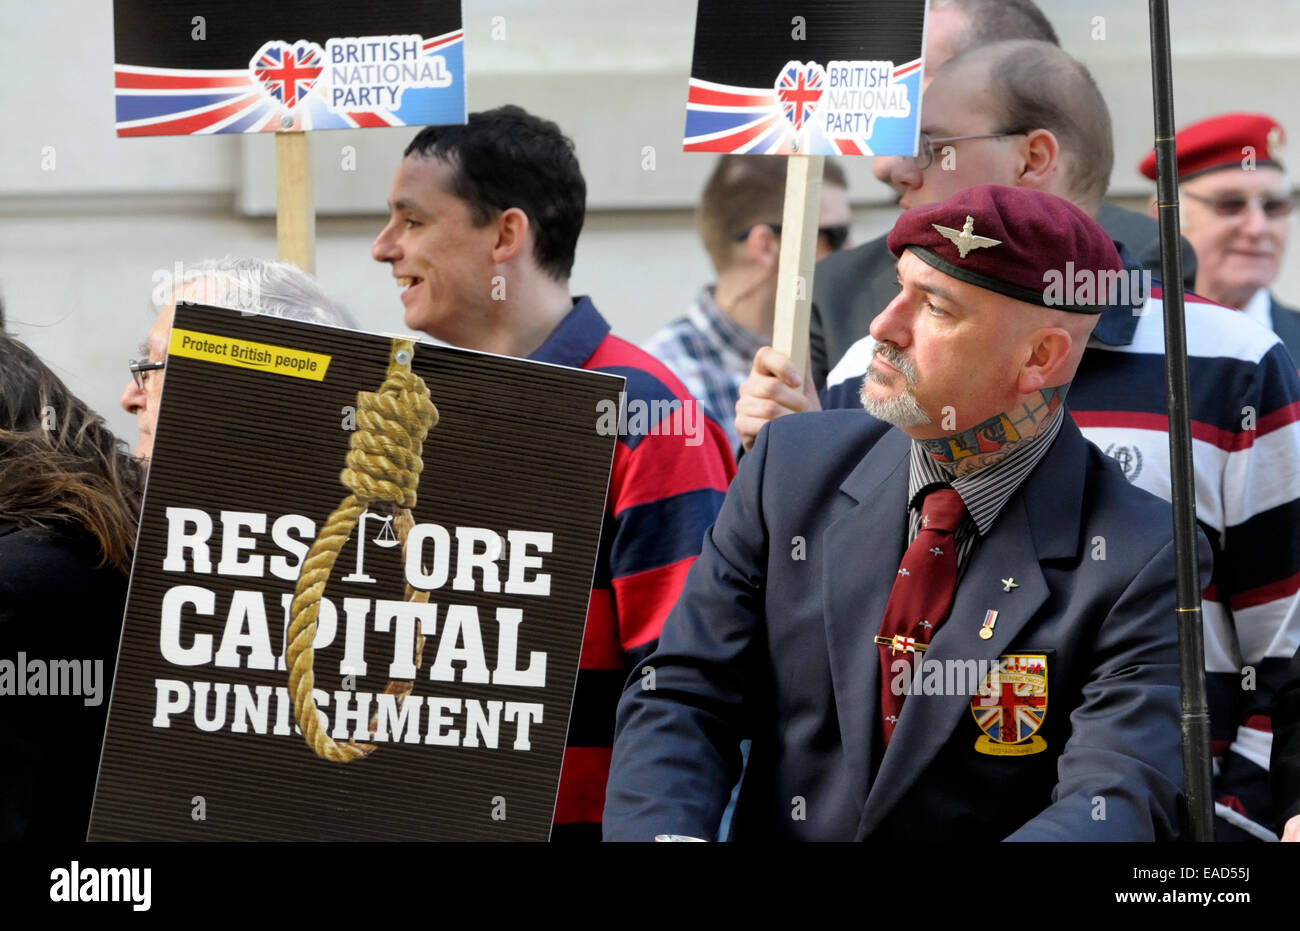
x=799, y=88
x=287, y=73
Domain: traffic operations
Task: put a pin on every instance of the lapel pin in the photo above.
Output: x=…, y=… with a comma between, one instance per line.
x=900, y=644
x=990, y=618
x=1009, y=583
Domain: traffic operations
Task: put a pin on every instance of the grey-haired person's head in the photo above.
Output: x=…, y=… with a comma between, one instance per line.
x=250, y=286
x=265, y=286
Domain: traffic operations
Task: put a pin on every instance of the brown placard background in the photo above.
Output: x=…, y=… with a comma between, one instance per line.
x=516, y=447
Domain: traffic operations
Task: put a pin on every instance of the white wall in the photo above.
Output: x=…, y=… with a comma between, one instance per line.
x=79, y=244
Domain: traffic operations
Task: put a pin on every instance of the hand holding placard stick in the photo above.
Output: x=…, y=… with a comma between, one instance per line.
x=804, y=80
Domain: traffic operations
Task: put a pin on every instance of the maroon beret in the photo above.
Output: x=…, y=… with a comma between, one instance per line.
x=1014, y=241
x=1220, y=142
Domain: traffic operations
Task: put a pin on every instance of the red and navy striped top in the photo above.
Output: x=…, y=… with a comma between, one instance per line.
x=672, y=465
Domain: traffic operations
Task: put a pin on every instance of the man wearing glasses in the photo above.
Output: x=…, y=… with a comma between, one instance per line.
x=1236, y=211
x=254, y=286
x=989, y=131
x=710, y=348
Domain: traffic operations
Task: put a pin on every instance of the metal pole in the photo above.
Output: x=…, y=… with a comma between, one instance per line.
x=1195, y=710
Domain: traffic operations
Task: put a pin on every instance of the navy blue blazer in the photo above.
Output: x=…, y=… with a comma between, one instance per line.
x=772, y=639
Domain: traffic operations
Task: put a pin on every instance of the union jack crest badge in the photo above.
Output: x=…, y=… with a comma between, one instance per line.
x=1011, y=706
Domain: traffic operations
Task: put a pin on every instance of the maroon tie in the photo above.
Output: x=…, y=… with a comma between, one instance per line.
x=921, y=597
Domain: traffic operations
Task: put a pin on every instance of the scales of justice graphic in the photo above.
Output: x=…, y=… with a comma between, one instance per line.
x=385, y=539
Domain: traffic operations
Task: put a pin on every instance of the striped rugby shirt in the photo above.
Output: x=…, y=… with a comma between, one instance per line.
x=665, y=489
x=1245, y=411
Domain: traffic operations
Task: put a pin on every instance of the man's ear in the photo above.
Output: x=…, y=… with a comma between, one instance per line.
x=512, y=228
x=762, y=246
x=1048, y=355
x=1041, y=154
x=1152, y=209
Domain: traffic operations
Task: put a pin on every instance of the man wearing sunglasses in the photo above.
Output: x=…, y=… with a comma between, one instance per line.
x=1235, y=209
x=739, y=216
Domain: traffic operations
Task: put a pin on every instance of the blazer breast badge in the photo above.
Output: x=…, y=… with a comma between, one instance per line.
x=1011, y=705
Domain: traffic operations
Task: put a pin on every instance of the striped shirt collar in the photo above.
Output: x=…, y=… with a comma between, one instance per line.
x=709, y=317
x=984, y=491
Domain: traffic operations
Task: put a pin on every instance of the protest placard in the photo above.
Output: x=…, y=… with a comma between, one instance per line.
x=359, y=591
x=812, y=77
x=286, y=67
x=237, y=67
x=805, y=79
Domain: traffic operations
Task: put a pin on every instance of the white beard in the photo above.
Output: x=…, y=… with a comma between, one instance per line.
x=901, y=410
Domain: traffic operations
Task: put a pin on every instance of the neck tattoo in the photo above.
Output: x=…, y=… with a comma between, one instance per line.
x=994, y=439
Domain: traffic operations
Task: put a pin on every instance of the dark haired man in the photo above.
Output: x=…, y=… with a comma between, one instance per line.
x=483, y=225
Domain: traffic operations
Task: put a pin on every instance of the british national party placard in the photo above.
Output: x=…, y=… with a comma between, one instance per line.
x=812, y=77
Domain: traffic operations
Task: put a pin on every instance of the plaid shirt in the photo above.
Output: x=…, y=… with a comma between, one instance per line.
x=711, y=354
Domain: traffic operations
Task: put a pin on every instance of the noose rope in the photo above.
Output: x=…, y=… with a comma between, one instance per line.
x=383, y=465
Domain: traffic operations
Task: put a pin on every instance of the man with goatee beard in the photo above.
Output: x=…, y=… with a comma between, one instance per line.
x=949, y=621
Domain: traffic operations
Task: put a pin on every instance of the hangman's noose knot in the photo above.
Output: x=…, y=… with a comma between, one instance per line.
x=383, y=462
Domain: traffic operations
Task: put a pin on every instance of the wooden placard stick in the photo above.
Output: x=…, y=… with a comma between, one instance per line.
x=295, y=202
x=803, y=198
